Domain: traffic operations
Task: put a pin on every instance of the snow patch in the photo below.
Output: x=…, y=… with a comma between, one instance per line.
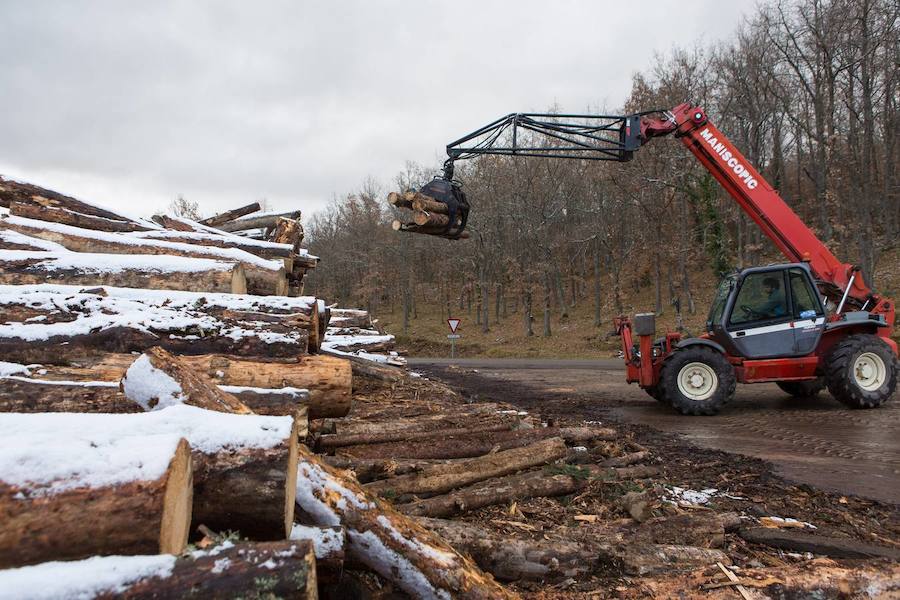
x=114, y=263
x=82, y=579
x=150, y=387
x=325, y=541
x=394, y=566
x=8, y=368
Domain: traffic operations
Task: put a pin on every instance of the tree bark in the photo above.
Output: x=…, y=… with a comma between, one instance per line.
x=396, y=547
x=134, y=271
x=439, y=479
x=141, y=384
x=464, y=444
x=133, y=516
x=230, y=215
x=510, y=559
x=268, y=250
x=288, y=231
x=546, y=482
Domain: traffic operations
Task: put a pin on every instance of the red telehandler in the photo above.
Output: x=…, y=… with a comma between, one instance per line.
x=805, y=325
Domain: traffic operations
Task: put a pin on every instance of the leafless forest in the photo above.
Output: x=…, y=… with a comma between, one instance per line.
x=807, y=89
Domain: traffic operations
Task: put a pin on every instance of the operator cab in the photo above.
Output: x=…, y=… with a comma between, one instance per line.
x=767, y=312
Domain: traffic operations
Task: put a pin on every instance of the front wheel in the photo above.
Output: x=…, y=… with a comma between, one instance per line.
x=698, y=381
x=861, y=371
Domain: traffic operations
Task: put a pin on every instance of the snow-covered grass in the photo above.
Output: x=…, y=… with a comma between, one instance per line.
x=82, y=579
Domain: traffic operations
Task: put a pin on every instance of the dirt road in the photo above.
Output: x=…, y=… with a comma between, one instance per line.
x=818, y=442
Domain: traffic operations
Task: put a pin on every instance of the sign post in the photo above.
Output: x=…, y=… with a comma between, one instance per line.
x=453, y=336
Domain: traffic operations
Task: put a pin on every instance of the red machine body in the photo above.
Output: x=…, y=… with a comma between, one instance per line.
x=781, y=224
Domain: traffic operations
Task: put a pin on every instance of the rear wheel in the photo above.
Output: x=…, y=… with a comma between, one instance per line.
x=861, y=371
x=698, y=380
x=802, y=389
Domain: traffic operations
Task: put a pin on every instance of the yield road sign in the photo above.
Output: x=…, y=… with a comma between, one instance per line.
x=453, y=336
x=454, y=324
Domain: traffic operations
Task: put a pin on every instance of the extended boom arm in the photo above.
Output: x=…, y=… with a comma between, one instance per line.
x=616, y=138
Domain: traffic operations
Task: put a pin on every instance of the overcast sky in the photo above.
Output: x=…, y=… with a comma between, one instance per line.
x=130, y=104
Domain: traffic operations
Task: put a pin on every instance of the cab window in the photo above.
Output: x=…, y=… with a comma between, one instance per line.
x=806, y=305
x=761, y=298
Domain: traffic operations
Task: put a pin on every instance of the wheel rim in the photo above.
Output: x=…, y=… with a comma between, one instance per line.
x=697, y=381
x=869, y=371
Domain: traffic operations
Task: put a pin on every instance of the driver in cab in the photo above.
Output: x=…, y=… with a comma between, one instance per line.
x=774, y=304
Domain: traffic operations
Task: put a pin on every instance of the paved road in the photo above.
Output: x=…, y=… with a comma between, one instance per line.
x=819, y=441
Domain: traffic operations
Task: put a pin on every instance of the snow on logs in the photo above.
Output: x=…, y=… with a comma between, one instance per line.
x=285, y=569
x=389, y=543
x=264, y=276
x=137, y=271
x=74, y=321
x=323, y=384
x=72, y=486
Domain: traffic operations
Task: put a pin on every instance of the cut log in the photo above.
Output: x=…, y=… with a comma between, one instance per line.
x=368, y=342
x=19, y=267
x=157, y=380
x=439, y=479
x=43, y=209
x=349, y=317
x=264, y=277
x=448, y=418
x=13, y=240
x=267, y=387
x=23, y=395
x=288, y=231
x=396, y=547
x=363, y=368
x=261, y=249
x=547, y=482
x=372, y=469
x=230, y=215
x=428, y=429
x=701, y=529
x=510, y=559
x=642, y=560
x=246, y=570
x=14, y=191
x=429, y=219
x=69, y=323
x=460, y=443
x=794, y=540
x=71, y=487
x=264, y=221
x=171, y=223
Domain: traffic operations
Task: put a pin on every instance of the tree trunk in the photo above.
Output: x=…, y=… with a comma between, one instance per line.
x=510, y=559
x=144, y=509
x=288, y=231
x=527, y=314
x=268, y=387
x=246, y=570
x=547, y=296
x=43, y=209
x=158, y=379
x=230, y=215
x=397, y=548
x=264, y=277
x=134, y=271
x=418, y=429
x=461, y=443
x=262, y=249
x=439, y=479
x=598, y=297
x=14, y=191
x=260, y=222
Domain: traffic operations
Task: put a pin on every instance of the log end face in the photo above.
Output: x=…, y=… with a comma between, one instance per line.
x=238, y=280
x=177, y=502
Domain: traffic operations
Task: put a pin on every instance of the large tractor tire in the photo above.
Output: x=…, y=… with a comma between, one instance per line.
x=802, y=389
x=861, y=371
x=698, y=380
x=658, y=393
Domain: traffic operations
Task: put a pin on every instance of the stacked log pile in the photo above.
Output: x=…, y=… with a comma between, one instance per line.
x=160, y=380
